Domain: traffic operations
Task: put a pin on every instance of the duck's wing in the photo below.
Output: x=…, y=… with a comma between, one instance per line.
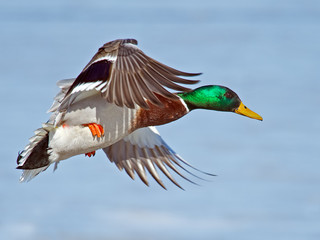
x=124, y=75
x=64, y=86
x=144, y=150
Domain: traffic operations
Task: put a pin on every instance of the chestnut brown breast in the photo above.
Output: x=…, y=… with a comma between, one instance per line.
x=171, y=111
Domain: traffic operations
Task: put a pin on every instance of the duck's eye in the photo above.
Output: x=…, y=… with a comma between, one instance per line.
x=228, y=95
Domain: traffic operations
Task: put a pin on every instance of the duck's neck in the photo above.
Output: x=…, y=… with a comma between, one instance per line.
x=207, y=97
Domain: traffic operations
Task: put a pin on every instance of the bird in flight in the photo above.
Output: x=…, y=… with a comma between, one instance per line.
x=114, y=104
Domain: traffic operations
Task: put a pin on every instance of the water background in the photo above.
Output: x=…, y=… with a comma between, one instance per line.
x=268, y=183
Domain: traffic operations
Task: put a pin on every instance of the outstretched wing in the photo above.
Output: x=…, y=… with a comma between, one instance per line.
x=126, y=76
x=144, y=150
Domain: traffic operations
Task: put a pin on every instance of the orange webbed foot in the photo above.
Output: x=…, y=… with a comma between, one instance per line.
x=89, y=154
x=96, y=129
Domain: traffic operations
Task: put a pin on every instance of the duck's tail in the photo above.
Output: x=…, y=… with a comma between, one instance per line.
x=35, y=157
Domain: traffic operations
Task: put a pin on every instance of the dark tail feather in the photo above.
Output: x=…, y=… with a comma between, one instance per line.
x=35, y=158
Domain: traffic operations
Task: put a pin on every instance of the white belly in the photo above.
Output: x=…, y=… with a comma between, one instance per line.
x=74, y=138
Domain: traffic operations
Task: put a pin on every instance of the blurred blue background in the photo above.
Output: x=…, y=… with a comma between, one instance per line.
x=268, y=183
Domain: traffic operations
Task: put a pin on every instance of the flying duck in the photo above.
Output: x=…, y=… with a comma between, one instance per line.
x=114, y=104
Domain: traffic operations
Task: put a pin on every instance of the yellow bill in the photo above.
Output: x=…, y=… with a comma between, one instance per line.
x=243, y=110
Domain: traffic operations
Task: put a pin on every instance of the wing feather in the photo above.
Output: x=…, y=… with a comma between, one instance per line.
x=144, y=151
x=127, y=77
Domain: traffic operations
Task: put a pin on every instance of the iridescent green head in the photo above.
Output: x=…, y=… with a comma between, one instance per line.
x=219, y=98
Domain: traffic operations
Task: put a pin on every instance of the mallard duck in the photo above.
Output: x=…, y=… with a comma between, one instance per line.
x=113, y=105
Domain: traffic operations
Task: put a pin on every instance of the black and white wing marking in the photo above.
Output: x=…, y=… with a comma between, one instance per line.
x=144, y=150
x=126, y=76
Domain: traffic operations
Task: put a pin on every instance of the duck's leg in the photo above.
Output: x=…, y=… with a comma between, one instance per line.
x=89, y=154
x=96, y=129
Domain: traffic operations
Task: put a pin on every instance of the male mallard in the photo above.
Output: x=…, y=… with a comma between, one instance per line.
x=114, y=104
